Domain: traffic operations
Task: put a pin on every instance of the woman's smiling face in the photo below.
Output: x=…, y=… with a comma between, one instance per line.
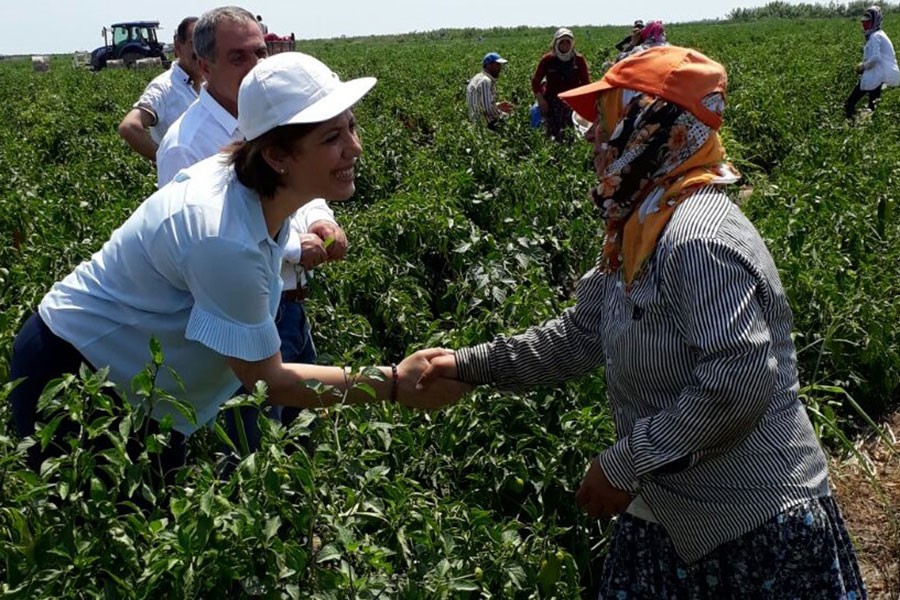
x=322, y=164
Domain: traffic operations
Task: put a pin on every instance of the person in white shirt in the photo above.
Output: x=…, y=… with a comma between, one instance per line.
x=879, y=65
x=165, y=98
x=196, y=267
x=481, y=93
x=229, y=43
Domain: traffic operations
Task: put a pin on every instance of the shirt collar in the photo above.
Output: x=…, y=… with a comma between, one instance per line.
x=179, y=74
x=253, y=204
x=222, y=116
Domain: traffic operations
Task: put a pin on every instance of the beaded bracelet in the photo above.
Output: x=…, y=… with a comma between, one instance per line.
x=395, y=384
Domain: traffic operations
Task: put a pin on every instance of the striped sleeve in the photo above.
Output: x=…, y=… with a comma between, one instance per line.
x=564, y=348
x=486, y=100
x=734, y=374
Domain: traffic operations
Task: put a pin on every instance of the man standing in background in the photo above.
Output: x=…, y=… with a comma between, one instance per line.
x=165, y=98
x=481, y=93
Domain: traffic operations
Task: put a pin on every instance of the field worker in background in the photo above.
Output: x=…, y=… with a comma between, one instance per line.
x=560, y=69
x=717, y=476
x=165, y=98
x=229, y=42
x=196, y=267
x=651, y=35
x=879, y=65
x=481, y=93
x=263, y=26
x=632, y=39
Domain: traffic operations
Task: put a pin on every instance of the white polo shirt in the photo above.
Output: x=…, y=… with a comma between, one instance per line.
x=194, y=267
x=166, y=98
x=203, y=130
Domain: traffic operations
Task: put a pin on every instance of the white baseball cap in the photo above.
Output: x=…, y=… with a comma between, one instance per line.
x=290, y=88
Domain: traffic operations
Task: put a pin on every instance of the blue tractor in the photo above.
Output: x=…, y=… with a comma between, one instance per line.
x=129, y=42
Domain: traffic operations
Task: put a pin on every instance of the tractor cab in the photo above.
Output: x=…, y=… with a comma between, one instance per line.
x=128, y=42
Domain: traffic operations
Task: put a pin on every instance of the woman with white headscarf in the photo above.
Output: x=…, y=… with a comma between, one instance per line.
x=559, y=70
x=879, y=65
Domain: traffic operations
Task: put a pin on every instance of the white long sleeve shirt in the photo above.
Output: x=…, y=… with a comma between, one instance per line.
x=879, y=63
x=314, y=210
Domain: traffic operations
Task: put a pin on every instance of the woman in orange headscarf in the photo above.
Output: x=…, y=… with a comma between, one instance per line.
x=717, y=476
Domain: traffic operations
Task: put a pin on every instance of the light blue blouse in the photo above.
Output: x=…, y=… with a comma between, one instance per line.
x=194, y=267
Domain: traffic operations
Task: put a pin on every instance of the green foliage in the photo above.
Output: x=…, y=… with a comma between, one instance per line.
x=804, y=10
x=457, y=234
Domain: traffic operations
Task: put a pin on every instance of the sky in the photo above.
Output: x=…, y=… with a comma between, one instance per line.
x=64, y=26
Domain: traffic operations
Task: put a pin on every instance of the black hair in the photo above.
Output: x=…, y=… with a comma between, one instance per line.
x=181, y=31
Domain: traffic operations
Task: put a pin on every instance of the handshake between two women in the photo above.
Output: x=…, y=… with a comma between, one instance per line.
x=427, y=380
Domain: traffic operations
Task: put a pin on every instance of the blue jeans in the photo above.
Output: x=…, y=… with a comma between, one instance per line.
x=296, y=347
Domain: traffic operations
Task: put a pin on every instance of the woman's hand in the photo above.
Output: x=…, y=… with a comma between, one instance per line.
x=442, y=388
x=598, y=497
x=441, y=366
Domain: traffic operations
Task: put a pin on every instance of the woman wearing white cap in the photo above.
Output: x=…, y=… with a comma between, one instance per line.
x=196, y=266
x=560, y=69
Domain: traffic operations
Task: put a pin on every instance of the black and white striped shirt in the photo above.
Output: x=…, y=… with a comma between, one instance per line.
x=701, y=377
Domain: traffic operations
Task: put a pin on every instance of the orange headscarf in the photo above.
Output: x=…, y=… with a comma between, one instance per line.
x=638, y=202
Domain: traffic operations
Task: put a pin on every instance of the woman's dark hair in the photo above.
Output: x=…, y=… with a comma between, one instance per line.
x=251, y=167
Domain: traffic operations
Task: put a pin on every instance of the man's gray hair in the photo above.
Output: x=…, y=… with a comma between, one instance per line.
x=205, y=29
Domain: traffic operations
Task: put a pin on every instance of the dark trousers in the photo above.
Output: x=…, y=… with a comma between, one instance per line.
x=296, y=347
x=40, y=356
x=557, y=120
x=856, y=95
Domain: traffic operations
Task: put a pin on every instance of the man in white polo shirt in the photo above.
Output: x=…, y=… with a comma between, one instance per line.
x=229, y=43
x=165, y=98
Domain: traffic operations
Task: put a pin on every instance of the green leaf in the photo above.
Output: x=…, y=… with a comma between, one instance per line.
x=328, y=552
x=272, y=525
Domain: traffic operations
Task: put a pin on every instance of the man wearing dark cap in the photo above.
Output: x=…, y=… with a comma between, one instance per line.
x=631, y=40
x=481, y=93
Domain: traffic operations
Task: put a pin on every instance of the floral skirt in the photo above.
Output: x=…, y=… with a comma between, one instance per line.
x=802, y=553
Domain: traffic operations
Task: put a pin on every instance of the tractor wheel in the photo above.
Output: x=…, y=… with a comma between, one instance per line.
x=129, y=58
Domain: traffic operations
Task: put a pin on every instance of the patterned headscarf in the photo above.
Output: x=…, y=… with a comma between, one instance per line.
x=656, y=156
x=873, y=16
x=563, y=33
x=653, y=33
